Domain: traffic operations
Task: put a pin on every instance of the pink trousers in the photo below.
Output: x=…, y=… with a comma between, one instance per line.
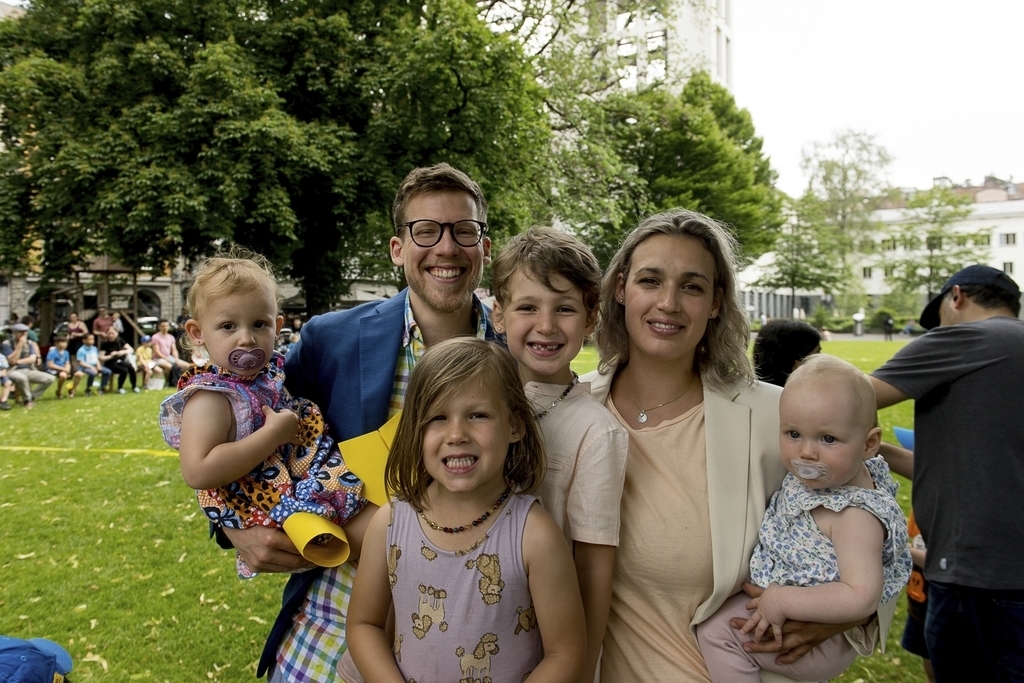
x=722, y=647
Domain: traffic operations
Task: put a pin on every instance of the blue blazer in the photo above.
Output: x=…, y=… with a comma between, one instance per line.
x=345, y=362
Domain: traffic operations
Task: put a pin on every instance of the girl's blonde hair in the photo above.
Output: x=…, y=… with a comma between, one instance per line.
x=721, y=355
x=227, y=273
x=441, y=374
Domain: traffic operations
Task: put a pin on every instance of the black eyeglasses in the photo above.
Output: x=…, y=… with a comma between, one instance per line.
x=427, y=233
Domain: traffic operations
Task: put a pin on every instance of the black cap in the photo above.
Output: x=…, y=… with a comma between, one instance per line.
x=971, y=275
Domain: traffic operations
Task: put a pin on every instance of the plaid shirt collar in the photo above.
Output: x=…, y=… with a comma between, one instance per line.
x=412, y=334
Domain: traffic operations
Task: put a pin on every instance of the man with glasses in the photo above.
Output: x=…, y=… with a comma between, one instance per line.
x=355, y=365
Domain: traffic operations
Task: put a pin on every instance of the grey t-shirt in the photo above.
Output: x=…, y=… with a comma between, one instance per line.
x=967, y=381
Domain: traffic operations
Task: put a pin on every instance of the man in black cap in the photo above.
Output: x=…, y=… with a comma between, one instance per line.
x=966, y=376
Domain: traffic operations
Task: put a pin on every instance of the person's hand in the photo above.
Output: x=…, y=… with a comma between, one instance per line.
x=798, y=637
x=767, y=615
x=283, y=425
x=266, y=549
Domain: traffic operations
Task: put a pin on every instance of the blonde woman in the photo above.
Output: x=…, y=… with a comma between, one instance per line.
x=703, y=449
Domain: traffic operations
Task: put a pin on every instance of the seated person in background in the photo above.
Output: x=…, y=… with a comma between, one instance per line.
x=114, y=352
x=833, y=543
x=33, y=334
x=781, y=346
x=23, y=357
x=165, y=351
x=6, y=386
x=88, y=357
x=144, y=362
x=58, y=364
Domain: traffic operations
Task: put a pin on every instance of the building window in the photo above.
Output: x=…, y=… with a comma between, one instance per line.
x=1008, y=267
x=656, y=41
x=889, y=244
x=1007, y=239
x=867, y=273
x=889, y=270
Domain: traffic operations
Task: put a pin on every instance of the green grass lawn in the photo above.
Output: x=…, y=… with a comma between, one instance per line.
x=103, y=549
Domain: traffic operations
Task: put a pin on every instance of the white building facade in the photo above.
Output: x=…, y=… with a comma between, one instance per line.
x=997, y=209
x=652, y=47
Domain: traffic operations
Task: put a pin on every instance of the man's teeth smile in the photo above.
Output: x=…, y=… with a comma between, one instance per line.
x=459, y=463
x=446, y=273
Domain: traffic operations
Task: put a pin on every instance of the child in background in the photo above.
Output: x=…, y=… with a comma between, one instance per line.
x=547, y=285
x=255, y=454
x=88, y=357
x=479, y=578
x=58, y=363
x=833, y=544
x=144, y=362
x=6, y=385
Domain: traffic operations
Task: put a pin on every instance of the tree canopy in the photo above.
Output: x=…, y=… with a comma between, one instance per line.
x=846, y=176
x=804, y=256
x=153, y=129
x=933, y=250
x=699, y=151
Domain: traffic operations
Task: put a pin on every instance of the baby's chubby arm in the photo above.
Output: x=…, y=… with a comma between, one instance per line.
x=858, y=537
x=209, y=458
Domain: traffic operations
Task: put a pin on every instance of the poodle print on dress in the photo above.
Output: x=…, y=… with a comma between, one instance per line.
x=490, y=582
x=477, y=664
x=430, y=612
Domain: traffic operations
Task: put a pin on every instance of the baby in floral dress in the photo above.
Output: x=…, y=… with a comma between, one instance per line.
x=256, y=455
x=833, y=543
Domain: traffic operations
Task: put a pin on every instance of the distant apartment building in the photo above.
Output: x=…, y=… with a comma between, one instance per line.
x=8, y=10
x=693, y=35
x=997, y=208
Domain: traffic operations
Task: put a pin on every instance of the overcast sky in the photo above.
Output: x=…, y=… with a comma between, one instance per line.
x=937, y=81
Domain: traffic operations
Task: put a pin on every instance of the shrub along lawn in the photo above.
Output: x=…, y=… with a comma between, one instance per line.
x=103, y=548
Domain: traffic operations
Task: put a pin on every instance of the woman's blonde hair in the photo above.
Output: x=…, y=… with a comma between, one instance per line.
x=227, y=273
x=721, y=355
x=441, y=374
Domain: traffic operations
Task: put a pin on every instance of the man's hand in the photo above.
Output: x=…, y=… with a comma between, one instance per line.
x=798, y=637
x=266, y=550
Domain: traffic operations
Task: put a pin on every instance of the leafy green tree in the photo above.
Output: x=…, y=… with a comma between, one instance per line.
x=154, y=129
x=846, y=177
x=933, y=249
x=803, y=255
x=699, y=151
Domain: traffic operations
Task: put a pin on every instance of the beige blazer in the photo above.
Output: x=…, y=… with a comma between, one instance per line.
x=745, y=468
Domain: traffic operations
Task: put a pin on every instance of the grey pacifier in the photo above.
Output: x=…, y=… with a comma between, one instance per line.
x=247, y=359
x=810, y=470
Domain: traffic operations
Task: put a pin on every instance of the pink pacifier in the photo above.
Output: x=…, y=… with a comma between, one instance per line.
x=810, y=470
x=247, y=359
